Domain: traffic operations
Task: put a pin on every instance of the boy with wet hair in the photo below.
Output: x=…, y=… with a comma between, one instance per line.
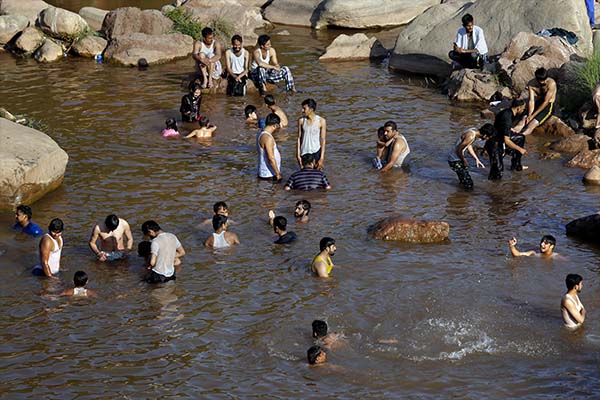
x=252, y=116
x=546, y=248
x=206, y=130
x=190, y=103
x=329, y=340
x=80, y=279
x=316, y=355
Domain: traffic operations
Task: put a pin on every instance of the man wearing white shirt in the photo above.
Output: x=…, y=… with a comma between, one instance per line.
x=165, y=253
x=470, y=48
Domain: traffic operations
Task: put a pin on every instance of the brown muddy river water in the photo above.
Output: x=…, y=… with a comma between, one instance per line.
x=458, y=319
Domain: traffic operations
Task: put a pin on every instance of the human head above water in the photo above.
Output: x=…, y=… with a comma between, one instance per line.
x=150, y=225
x=316, y=355
x=307, y=159
x=390, y=124
x=171, y=123
x=280, y=223
x=111, y=222
x=25, y=210
x=80, y=279
x=203, y=122
x=56, y=225
x=487, y=130
x=218, y=221
x=272, y=120
x=269, y=100
x=220, y=207
x=326, y=242
x=249, y=110
x=196, y=89
x=319, y=328
x=311, y=103
x=573, y=280
x=304, y=205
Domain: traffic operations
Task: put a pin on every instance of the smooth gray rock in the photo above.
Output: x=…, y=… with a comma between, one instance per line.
x=156, y=49
x=28, y=8
x=29, y=40
x=90, y=46
x=31, y=164
x=592, y=176
x=61, y=24
x=293, y=12
x=10, y=26
x=49, y=51
x=93, y=16
x=423, y=46
x=127, y=20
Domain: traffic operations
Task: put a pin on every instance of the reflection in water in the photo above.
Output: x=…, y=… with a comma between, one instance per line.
x=234, y=323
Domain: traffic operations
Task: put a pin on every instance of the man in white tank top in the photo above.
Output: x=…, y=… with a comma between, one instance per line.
x=207, y=54
x=50, y=250
x=312, y=134
x=573, y=311
x=237, y=62
x=221, y=238
x=396, y=152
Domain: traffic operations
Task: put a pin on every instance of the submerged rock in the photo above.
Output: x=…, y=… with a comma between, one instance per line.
x=413, y=231
x=585, y=159
x=32, y=164
x=90, y=46
x=49, y=51
x=585, y=228
x=356, y=47
x=592, y=176
x=156, y=49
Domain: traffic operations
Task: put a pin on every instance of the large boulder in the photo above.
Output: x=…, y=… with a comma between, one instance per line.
x=29, y=40
x=554, y=126
x=10, y=26
x=245, y=20
x=93, y=16
x=294, y=12
x=592, y=176
x=408, y=230
x=49, y=51
x=423, y=46
x=572, y=144
x=585, y=159
x=527, y=52
x=156, y=49
x=585, y=228
x=473, y=85
x=89, y=46
x=62, y=24
x=31, y=164
x=356, y=47
x=27, y=8
x=127, y=20
x=362, y=14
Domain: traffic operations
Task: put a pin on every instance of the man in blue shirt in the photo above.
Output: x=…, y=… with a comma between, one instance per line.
x=24, y=223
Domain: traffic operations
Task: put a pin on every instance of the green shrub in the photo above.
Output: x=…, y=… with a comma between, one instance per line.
x=184, y=22
x=577, y=90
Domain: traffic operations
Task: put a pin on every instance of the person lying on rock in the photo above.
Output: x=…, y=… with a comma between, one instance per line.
x=470, y=49
x=542, y=95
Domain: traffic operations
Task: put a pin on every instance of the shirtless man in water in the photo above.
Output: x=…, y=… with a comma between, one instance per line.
x=111, y=233
x=546, y=248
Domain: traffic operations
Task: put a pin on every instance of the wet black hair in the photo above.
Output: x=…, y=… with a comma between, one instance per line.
x=207, y=31
x=143, y=64
x=218, y=205
x=171, y=123
x=391, y=124
x=541, y=74
x=272, y=119
x=195, y=86
x=249, y=110
x=203, y=122
x=25, y=210
x=305, y=205
x=311, y=103
x=111, y=222
x=150, y=225
x=380, y=131
x=262, y=40
x=144, y=248
x=236, y=38
x=313, y=353
x=573, y=280
x=551, y=240
x=487, y=130
x=517, y=103
x=56, y=225
x=80, y=278
x=307, y=158
x=466, y=19
x=218, y=221
x=326, y=242
x=280, y=222
x=269, y=100
x=319, y=328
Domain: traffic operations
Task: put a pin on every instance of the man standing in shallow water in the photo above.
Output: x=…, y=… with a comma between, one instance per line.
x=111, y=233
x=165, y=253
x=573, y=311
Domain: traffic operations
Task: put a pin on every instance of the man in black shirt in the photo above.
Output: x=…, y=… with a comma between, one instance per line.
x=279, y=227
x=505, y=135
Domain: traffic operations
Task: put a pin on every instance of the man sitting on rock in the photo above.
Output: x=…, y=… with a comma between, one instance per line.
x=470, y=49
x=542, y=95
x=207, y=53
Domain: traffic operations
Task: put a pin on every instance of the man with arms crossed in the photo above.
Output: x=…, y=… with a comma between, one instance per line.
x=111, y=234
x=165, y=253
x=573, y=311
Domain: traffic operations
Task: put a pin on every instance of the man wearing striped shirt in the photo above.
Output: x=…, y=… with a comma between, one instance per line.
x=308, y=178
